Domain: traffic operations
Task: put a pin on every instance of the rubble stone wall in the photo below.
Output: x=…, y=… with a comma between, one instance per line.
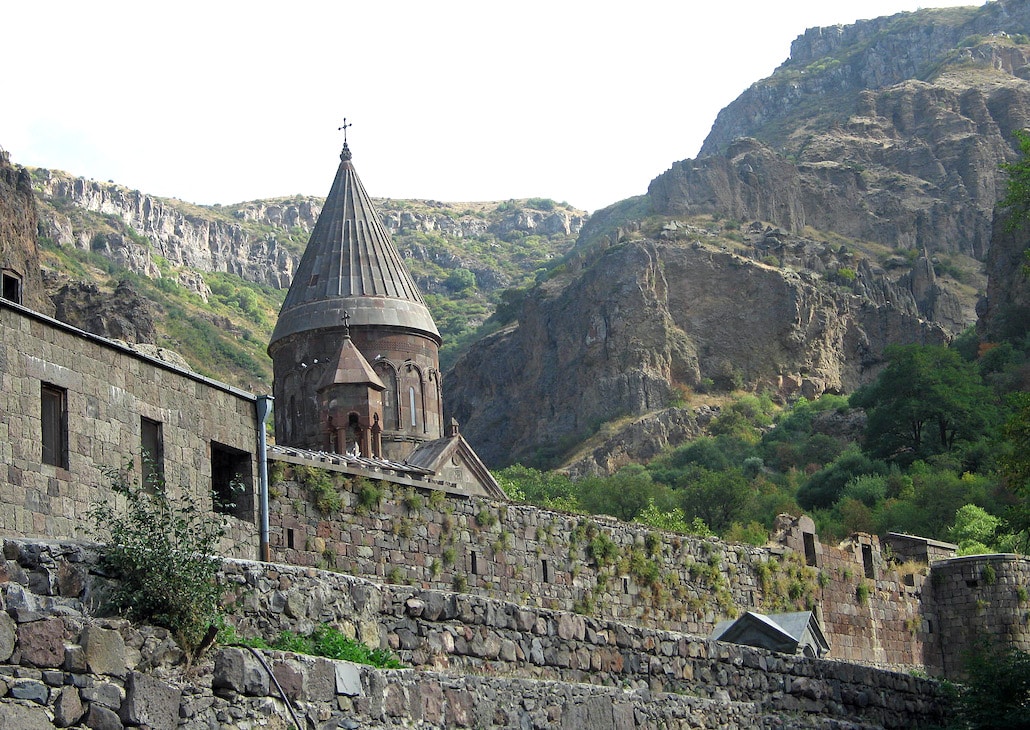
x=476, y=662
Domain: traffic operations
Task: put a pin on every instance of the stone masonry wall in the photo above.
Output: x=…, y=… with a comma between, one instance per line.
x=476, y=661
x=108, y=389
x=975, y=602
x=595, y=566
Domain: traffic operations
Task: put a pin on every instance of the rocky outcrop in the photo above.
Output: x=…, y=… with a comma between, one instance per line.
x=145, y=227
x=123, y=315
x=620, y=337
x=1005, y=310
x=889, y=130
x=641, y=440
x=19, y=255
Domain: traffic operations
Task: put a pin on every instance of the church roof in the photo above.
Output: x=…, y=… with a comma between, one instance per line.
x=350, y=367
x=351, y=265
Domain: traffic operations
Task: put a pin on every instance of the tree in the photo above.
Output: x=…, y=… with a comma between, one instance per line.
x=1017, y=186
x=925, y=400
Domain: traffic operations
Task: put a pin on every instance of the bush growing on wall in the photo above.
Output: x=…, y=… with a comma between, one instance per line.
x=161, y=551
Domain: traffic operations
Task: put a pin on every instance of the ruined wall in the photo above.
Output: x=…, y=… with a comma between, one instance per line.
x=108, y=389
x=595, y=566
x=476, y=662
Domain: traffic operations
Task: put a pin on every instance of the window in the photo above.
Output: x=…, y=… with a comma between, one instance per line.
x=151, y=450
x=867, y=560
x=11, y=287
x=810, y=554
x=54, y=419
x=411, y=400
x=232, y=488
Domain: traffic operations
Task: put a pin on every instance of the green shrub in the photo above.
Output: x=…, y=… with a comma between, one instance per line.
x=160, y=549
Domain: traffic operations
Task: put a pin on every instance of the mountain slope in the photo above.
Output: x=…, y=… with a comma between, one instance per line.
x=844, y=204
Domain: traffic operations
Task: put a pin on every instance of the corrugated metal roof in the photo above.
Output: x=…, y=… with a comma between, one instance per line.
x=351, y=266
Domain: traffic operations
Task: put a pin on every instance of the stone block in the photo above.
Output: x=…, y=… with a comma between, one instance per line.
x=24, y=717
x=30, y=689
x=8, y=636
x=101, y=718
x=240, y=671
x=150, y=702
x=104, y=693
x=68, y=708
x=348, y=679
x=42, y=642
x=105, y=651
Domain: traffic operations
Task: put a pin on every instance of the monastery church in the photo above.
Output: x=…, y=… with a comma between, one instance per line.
x=355, y=351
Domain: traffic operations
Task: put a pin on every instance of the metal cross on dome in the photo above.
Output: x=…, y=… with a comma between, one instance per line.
x=344, y=128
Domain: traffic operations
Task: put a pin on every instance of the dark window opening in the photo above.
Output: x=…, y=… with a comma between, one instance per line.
x=290, y=537
x=625, y=584
x=810, y=557
x=12, y=287
x=151, y=451
x=867, y=560
x=545, y=570
x=232, y=488
x=54, y=421
x=475, y=563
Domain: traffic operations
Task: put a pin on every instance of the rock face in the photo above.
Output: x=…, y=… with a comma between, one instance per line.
x=619, y=338
x=889, y=130
x=150, y=226
x=19, y=255
x=124, y=315
x=1005, y=311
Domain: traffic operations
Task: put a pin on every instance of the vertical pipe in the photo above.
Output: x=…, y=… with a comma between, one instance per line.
x=264, y=407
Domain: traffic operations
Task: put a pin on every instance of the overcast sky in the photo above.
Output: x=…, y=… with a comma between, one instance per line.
x=221, y=102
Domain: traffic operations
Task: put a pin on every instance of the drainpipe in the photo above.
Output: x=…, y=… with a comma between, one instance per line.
x=264, y=407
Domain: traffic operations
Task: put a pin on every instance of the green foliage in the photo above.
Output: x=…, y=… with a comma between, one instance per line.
x=325, y=641
x=320, y=485
x=1017, y=184
x=370, y=494
x=974, y=529
x=160, y=548
x=674, y=520
x=624, y=494
x=996, y=692
x=925, y=400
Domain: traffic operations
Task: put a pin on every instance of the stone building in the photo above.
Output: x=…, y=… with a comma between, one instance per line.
x=355, y=350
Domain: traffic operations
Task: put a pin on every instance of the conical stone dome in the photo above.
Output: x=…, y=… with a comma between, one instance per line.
x=351, y=265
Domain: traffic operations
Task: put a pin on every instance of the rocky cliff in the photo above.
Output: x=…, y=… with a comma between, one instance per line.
x=19, y=255
x=889, y=130
x=647, y=318
x=261, y=241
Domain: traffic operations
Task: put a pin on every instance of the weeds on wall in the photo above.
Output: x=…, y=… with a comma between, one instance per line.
x=324, y=641
x=369, y=495
x=160, y=549
x=321, y=486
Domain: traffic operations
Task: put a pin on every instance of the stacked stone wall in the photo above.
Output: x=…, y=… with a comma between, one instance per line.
x=595, y=566
x=477, y=662
x=973, y=603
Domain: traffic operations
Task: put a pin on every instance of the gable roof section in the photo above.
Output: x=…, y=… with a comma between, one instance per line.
x=434, y=455
x=786, y=633
x=351, y=266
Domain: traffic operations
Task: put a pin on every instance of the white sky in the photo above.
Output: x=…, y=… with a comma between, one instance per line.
x=221, y=102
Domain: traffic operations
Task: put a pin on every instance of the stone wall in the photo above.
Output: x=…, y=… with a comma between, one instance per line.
x=108, y=389
x=974, y=602
x=476, y=662
x=595, y=566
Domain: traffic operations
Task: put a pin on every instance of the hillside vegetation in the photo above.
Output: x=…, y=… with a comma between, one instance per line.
x=216, y=276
